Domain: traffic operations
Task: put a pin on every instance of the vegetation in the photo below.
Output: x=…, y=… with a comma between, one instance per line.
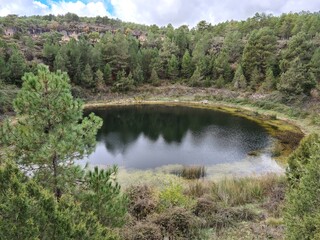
x=262, y=54
x=39, y=182
x=273, y=60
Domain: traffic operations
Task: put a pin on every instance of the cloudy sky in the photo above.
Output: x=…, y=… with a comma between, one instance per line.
x=160, y=12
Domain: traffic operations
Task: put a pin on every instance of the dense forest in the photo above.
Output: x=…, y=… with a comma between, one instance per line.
x=48, y=62
x=265, y=53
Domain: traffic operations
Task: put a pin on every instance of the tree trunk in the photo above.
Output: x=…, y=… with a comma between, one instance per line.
x=57, y=190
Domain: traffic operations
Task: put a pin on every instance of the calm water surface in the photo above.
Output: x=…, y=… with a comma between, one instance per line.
x=152, y=136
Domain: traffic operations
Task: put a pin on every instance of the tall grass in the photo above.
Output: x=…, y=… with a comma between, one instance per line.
x=192, y=172
x=239, y=191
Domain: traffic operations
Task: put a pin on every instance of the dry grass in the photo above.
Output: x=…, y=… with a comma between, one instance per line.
x=191, y=172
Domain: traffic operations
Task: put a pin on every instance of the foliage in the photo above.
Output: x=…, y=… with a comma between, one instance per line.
x=173, y=196
x=27, y=211
x=179, y=223
x=300, y=158
x=102, y=195
x=302, y=206
x=50, y=132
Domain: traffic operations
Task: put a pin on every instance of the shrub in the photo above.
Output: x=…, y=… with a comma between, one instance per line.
x=179, y=223
x=142, y=201
x=302, y=211
x=173, y=196
x=226, y=217
x=300, y=158
x=143, y=231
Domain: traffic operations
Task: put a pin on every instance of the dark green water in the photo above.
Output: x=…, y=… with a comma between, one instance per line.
x=151, y=136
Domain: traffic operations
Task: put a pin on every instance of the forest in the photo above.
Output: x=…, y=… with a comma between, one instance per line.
x=49, y=63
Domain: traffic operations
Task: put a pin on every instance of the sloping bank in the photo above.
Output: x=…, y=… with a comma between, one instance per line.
x=287, y=131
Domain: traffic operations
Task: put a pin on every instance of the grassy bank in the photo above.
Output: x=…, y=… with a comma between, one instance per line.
x=244, y=208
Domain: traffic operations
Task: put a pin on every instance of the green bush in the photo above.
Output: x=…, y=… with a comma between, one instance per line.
x=173, y=196
x=302, y=211
x=309, y=146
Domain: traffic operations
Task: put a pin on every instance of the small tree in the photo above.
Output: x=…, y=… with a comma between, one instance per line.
x=173, y=67
x=50, y=132
x=107, y=74
x=186, y=65
x=103, y=195
x=154, y=79
x=87, y=78
x=302, y=212
x=30, y=212
x=100, y=84
x=239, y=79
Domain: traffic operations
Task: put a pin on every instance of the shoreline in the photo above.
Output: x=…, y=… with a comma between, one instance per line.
x=286, y=132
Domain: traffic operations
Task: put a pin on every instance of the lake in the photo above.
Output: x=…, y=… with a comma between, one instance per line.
x=148, y=137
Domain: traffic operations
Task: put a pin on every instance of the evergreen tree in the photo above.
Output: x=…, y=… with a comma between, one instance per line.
x=296, y=80
x=254, y=78
x=87, y=79
x=302, y=211
x=220, y=82
x=103, y=195
x=17, y=67
x=154, y=79
x=186, y=65
x=315, y=65
x=138, y=75
x=100, y=84
x=196, y=78
x=59, y=62
x=222, y=67
x=30, y=212
x=173, y=67
x=239, y=80
x=259, y=52
x=107, y=74
x=51, y=132
x=270, y=81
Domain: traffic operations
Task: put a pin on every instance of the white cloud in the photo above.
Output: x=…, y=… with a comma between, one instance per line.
x=190, y=12
x=90, y=9
x=22, y=7
x=160, y=12
x=33, y=7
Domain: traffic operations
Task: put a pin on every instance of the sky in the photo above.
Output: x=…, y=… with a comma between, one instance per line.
x=160, y=12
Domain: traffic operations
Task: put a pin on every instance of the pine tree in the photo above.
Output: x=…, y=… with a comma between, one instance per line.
x=239, y=79
x=107, y=74
x=186, y=65
x=100, y=84
x=154, y=79
x=59, y=62
x=220, y=82
x=270, y=81
x=51, y=132
x=173, y=67
x=30, y=212
x=254, y=78
x=138, y=75
x=302, y=210
x=196, y=78
x=103, y=195
x=296, y=80
x=87, y=79
x=16, y=66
